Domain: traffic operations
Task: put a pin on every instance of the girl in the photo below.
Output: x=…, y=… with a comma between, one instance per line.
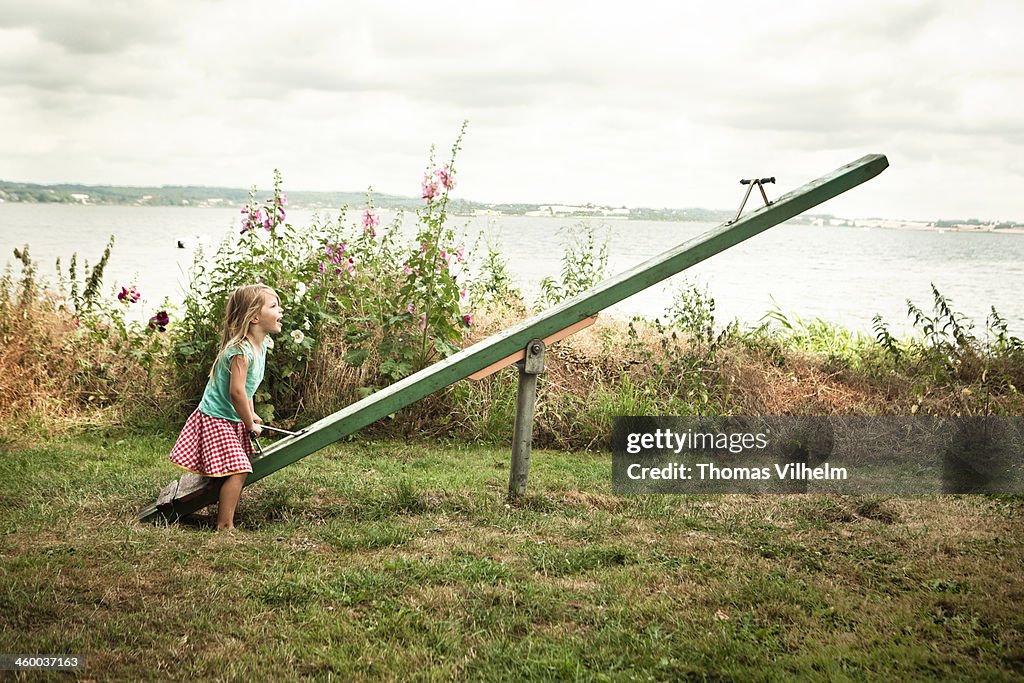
x=214, y=441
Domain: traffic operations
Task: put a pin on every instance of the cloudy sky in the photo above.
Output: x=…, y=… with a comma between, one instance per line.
x=639, y=103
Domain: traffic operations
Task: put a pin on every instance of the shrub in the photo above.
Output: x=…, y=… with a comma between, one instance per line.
x=403, y=303
x=397, y=304
x=271, y=251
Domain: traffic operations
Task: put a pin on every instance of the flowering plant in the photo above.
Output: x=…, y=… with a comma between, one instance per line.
x=399, y=302
x=129, y=296
x=160, y=321
x=271, y=251
x=112, y=337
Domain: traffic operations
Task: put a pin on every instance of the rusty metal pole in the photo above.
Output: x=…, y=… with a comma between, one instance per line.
x=526, y=403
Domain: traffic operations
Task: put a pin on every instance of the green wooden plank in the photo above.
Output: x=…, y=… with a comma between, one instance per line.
x=459, y=366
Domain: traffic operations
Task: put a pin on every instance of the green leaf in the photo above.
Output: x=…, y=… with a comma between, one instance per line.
x=355, y=335
x=444, y=348
x=395, y=369
x=265, y=411
x=356, y=357
x=400, y=318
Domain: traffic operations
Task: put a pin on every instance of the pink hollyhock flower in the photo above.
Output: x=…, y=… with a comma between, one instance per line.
x=335, y=251
x=462, y=294
x=252, y=218
x=430, y=188
x=467, y=320
x=460, y=254
x=406, y=270
x=446, y=177
x=411, y=308
x=128, y=296
x=370, y=222
x=423, y=321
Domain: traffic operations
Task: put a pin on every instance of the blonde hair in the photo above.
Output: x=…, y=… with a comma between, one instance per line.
x=244, y=304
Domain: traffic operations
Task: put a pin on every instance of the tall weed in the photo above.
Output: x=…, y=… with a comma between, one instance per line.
x=584, y=264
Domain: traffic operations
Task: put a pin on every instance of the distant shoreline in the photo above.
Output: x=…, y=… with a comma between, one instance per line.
x=986, y=229
x=231, y=198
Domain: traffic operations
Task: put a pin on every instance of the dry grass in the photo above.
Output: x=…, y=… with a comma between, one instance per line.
x=56, y=376
x=333, y=383
x=800, y=386
x=35, y=370
x=52, y=374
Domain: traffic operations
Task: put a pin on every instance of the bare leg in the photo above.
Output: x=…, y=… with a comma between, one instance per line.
x=230, y=492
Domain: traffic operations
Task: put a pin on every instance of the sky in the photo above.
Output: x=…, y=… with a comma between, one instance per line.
x=657, y=104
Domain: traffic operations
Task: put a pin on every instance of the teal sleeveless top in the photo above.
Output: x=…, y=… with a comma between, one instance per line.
x=217, y=397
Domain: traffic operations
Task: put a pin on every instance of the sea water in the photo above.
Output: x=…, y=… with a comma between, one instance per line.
x=844, y=275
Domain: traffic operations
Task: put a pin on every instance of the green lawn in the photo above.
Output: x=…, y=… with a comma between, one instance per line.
x=403, y=561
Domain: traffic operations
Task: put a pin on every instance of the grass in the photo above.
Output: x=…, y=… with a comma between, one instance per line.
x=397, y=560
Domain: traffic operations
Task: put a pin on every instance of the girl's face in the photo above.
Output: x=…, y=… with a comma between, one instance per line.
x=269, y=318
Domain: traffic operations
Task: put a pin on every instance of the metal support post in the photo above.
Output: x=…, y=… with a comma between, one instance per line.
x=526, y=403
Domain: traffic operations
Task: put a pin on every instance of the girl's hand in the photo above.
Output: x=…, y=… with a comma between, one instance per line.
x=256, y=428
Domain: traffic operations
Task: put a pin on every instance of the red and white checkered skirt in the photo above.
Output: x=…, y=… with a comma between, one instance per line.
x=212, y=446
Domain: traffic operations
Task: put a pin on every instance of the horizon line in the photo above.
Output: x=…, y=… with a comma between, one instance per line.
x=413, y=198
